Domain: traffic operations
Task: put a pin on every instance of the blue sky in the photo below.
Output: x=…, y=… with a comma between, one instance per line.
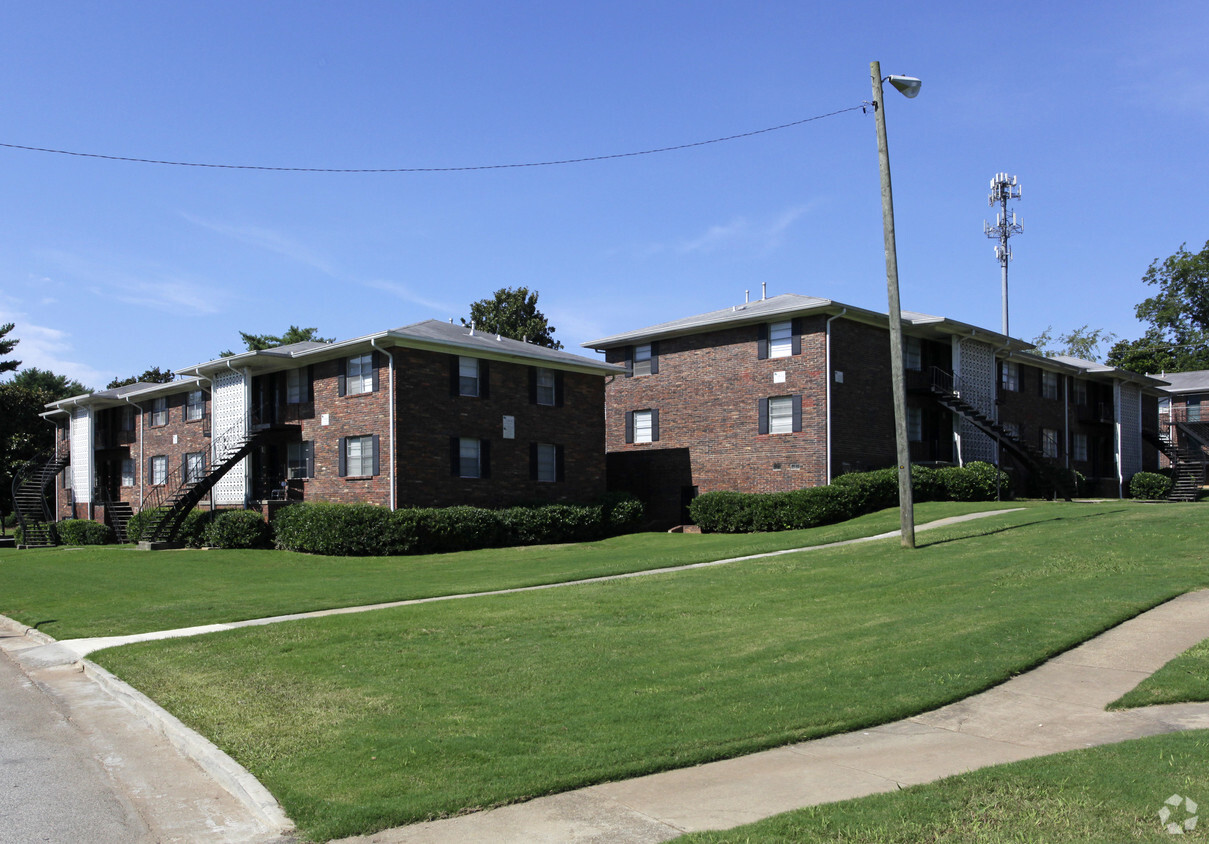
x=109, y=268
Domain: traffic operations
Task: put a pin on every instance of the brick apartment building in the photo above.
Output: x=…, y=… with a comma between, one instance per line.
x=430, y=414
x=791, y=391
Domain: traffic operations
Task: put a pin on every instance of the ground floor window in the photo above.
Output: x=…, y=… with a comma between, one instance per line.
x=1049, y=443
x=470, y=457
x=127, y=471
x=1079, y=447
x=159, y=470
x=300, y=459
x=359, y=456
x=195, y=467
x=546, y=462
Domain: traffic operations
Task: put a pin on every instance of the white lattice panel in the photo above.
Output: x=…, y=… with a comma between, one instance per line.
x=975, y=375
x=229, y=408
x=1131, y=429
x=81, y=454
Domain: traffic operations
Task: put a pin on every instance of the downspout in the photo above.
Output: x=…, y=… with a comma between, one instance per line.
x=141, y=479
x=830, y=377
x=1116, y=402
x=391, y=393
x=1066, y=418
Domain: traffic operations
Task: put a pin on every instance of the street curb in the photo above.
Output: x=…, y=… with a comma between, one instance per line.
x=229, y=774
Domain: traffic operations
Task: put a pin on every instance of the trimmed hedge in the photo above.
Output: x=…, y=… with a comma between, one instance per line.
x=847, y=497
x=350, y=530
x=1150, y=486
x=236, y=529
x=84, y=532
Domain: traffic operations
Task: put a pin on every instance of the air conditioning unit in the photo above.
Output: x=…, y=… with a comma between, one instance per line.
x=297, y=472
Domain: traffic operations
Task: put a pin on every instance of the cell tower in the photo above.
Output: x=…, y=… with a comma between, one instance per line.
x=1003, y=188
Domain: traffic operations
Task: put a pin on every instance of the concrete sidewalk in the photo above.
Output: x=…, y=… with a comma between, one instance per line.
x=1056, y=707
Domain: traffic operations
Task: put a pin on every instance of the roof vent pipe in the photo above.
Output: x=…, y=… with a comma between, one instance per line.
x=763, y=290
x=746, y=296
x=472, y=328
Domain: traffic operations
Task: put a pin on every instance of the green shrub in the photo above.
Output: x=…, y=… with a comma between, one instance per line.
x=348, y=530
x=871, y=491
x=973, y=482
x=10, y=520
x=237, y=529
x=462, y=528
x=193, y=528
x=1149, y=485
x=620, y=512
x=84, y=532
x=138, y=524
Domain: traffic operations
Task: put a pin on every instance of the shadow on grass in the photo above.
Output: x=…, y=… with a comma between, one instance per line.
x=1006, y=528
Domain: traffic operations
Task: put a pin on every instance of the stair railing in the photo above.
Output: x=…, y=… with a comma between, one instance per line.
x=30, y=481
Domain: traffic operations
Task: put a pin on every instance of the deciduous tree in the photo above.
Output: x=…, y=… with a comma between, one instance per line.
x=513, y=313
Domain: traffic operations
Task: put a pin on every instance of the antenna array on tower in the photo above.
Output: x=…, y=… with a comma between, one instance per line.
x=1003, y=188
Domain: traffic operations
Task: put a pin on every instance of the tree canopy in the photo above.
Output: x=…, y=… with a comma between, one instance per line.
x=513, y=313
x=6, y=348
x=1083, y=342
x=23, y=433
x=1177, y=337
x=293, y=334
x=56, y=386
x=155, y=375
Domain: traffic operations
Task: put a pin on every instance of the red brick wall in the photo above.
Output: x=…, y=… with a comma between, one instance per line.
x=862, y=424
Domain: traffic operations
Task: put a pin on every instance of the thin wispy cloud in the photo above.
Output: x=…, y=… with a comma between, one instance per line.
x=745, y=233
x=42, y=347
x=404, y=292
x=270, y=241
x=151, y=287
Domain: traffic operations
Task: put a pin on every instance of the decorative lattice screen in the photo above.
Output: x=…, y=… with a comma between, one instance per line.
x=976, y=380
x=81, y=454
x=1131, y=430
x=229, y=407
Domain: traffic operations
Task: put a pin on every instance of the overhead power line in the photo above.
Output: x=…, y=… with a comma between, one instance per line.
x=582, y=160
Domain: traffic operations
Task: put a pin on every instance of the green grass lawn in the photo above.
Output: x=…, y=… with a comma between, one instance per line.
x=70, y=593
x=1185, y=678
x=1104, y=795
x=357, y=723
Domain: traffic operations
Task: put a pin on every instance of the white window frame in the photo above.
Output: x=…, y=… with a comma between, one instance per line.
x=195, y=466
x=1011, y=376
x=642, y=359
x=128, y=478
x=195, y=405
x=359, y=375
x=296, y=462
x=469, y=374
x=470, y=458
x=643, y=427
x=780, y=415
x=546, y=386
x=159, y=412
x=159, y=470
x=547, y=463
x=362, y=464
x=780, y=339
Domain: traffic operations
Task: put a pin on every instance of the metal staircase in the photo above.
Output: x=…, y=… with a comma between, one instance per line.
x=941, y=385
x=1187, y=455
x=34, y=512
x=169, y=503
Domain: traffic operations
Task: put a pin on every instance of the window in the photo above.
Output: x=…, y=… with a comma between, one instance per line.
x=195, y=467
x=1010, y=377
x=545, y=462
x=300, y=459
x=1049, y=385
x=66, y=476
x=127, y=471
x=1079, y=447
x=359, y=377
x=159, y=412
x=642, y=426
x=1193, y=408
x=296, y=383
x=1049, y=442
x=915, y=424
x=545, y=387
x=913, y=354
x=159, y=471
x=780, y=339
x=1012, y=429
x=127, y=421
x=470, y=457
x=1080, y=392
x=195, y=405
x=645, y=360
x=468, y=377
x=359, y=456
x=780, y=415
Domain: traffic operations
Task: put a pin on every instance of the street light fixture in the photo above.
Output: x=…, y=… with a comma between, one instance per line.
x=909, y=86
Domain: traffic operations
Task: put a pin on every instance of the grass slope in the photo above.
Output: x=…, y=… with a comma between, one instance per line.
x=1185, y=678
x=107, y=591
x=358, y=723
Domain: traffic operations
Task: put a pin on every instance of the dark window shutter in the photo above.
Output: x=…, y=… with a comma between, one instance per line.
x=797, y=414
x=150, y=471
x=762, y=342
x=341, y=388
x=796, y=331
x=629, y=426
x=455, y=456
x=629, y=361
x=375, y=362
x=654, y=426
x=763, y=412
x=558, y=389
x=342, y=444
x=309, y=384
x=533, y=385
x=377, y=470
x=484, y=380
x=654, y=357
x=184, y=468
x=560, y=470
x=308, y=452
x=484, y=458
x=533, y=461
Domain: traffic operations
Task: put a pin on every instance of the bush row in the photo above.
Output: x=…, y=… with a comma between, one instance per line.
x=217, y=529
x=369, y=530
x=845, y=498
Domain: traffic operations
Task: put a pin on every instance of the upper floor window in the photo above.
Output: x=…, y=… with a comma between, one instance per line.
x=544, y=387
x=1080, y=392
x=468, y=376
x=913, y=354
x=780, y=339
x=159, y=412
x=1049, y=385
x=642, y=426
x=359, y=375
x=195, y=405
x=643, y=360
x=297, y=386
x=127, y=420
x=1010, y=376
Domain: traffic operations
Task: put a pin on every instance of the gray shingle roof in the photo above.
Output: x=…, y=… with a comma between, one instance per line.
x=1196, y=381
x=435, y=331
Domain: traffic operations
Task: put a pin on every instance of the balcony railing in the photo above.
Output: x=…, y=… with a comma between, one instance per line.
x=1096, y=412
